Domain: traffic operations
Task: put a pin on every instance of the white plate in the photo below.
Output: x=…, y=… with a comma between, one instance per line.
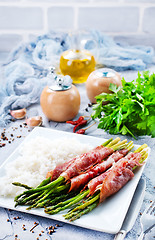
x=109, y=216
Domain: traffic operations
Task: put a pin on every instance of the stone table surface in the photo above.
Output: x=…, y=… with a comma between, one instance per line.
x=8, y=229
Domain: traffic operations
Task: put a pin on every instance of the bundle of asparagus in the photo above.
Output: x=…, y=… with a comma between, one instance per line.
x=61, y=193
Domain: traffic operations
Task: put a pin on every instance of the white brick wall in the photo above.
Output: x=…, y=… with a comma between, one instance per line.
x=127, y=20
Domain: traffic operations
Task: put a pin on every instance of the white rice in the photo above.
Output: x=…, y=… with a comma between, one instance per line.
x=36, y=158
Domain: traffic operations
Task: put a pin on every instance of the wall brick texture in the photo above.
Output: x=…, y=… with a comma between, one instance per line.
x=127, y=20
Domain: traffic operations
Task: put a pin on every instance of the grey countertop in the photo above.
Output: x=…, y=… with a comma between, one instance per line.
x=11, y=222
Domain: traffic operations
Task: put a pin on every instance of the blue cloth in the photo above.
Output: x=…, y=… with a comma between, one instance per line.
x=27, y=71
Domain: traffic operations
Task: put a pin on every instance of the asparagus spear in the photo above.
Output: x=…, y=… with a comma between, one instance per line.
x=64, y=205
x=43, y=183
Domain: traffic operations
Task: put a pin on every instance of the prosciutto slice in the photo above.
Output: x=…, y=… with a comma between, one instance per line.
x=82, y=179
x=86, y=160
x=54, y=174
x=128, y=162
x=59, y=169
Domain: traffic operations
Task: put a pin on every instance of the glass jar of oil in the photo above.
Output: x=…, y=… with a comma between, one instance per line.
x=77, y=62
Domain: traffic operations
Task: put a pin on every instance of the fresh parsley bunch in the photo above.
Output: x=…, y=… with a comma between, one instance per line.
x=129, y=109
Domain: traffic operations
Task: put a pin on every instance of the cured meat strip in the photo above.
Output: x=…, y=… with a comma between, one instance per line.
x=85, y=161
x=82, y=179
x=54, y=174
x=131, y=160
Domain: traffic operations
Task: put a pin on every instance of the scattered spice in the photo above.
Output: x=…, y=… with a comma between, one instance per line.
x=16, y=235
x=39, y=234
x=36, y=224
x=50, y=232
x=57, y=225
x=19, y=136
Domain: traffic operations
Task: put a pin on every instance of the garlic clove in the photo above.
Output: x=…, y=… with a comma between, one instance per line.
x=19, y=113
x=34, y=121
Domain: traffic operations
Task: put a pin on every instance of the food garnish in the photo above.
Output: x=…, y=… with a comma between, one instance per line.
x=79, y=123
x=83, y=130
x=130, y=108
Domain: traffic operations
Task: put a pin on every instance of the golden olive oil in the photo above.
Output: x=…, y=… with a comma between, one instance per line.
x=78, y=64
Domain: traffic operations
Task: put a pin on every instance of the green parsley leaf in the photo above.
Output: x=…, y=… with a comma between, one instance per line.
x=129, y=109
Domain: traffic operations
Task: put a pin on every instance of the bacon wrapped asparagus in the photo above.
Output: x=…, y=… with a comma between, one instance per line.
x=106, y=185
x=75, y=167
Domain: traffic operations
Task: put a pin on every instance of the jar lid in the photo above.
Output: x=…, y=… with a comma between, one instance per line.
x=105, y=72
x=61, y=83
